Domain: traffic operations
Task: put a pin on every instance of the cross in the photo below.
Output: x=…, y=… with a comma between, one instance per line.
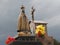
x=32, y=13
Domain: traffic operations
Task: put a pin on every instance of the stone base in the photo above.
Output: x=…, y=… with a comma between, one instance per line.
x=26, y=40
x=25, y=43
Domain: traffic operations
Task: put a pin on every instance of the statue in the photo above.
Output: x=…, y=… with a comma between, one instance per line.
x=23, y=25
x=32, y=24
x=26, y=34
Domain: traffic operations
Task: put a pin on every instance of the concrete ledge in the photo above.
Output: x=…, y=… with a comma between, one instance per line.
x=25, y=43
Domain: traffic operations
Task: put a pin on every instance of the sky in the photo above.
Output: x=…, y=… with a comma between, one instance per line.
x=46, y=10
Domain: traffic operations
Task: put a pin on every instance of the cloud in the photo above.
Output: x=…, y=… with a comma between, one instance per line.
x=53, y=21
x=2, y=35
x=48, y=10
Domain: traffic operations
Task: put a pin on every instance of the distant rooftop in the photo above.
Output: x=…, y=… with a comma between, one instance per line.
x=40, y=22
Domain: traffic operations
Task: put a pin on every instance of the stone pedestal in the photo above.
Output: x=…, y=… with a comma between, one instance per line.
x=26, y=40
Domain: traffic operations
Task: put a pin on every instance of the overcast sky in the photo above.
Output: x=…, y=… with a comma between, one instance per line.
x=46, y=10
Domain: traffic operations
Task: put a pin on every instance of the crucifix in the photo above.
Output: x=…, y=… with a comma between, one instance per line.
x=32, y=13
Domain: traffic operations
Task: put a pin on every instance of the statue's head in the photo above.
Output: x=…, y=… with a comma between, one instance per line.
x=23, y=9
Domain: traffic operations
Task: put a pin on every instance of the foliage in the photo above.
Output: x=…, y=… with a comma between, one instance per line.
x=40, y=30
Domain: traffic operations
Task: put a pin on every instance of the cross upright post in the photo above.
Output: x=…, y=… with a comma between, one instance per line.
x=32, y=13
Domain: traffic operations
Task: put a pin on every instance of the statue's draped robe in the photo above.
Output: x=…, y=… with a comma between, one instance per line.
x=23, y=22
